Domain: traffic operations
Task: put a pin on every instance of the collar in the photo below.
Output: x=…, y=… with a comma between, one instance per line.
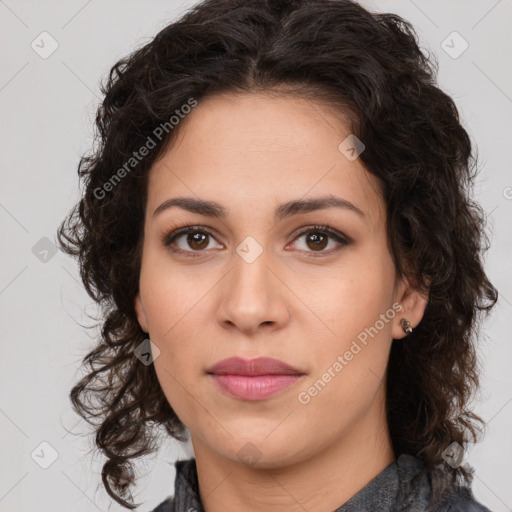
x=186, y=487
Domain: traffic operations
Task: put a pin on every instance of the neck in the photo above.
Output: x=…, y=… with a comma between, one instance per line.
x=322, y=482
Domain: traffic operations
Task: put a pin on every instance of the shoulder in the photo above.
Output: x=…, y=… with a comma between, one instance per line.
x=463, y=501
x=186, y=493
x=166, y=506
x=416, y=485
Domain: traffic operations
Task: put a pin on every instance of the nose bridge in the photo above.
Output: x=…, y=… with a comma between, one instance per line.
x=251, y=263
x=251, y=293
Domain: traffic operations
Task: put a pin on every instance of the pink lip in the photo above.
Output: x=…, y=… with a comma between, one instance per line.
x=253, y=379
x=251, y=367
x=254, y=388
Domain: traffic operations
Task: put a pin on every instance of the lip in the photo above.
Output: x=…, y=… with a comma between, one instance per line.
x=253, y=367
x=253, y=379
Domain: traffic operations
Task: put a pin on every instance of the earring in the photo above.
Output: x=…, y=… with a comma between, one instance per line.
x=406, y=325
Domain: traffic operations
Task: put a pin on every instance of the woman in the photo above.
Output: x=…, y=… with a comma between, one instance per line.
x=277, y=222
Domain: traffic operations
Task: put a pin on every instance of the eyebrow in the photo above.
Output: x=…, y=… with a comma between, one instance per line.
x=284, y=210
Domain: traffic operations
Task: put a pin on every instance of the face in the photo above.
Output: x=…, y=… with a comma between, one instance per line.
x=313, y=286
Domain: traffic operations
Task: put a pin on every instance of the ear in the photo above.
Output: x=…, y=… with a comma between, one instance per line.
x=141, y=314
x=413, y=304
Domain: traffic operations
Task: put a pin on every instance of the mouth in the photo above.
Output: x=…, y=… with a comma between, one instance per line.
x=254, y=379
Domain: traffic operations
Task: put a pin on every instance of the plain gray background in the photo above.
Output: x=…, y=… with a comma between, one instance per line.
x=47, y=107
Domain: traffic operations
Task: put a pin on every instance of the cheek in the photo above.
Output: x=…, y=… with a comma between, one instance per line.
x=171, y=297
x=358, y=310
x=352, y=296
x=178, y=391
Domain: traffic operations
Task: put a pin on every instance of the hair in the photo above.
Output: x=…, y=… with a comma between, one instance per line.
x=367, y=66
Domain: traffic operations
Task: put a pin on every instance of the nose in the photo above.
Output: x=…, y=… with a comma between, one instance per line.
x=253, y=297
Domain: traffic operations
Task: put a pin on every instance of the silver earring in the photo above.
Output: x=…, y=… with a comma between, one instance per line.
x=406, y=325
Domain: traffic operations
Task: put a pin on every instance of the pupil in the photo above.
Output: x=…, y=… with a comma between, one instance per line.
x=318, y=238
x=196, y=239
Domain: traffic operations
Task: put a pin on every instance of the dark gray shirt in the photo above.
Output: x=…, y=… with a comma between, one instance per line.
x=403, y=486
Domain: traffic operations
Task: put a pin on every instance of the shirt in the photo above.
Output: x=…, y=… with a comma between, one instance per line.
x=403, y=486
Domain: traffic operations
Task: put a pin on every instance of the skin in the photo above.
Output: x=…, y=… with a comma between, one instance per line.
x=250, y=153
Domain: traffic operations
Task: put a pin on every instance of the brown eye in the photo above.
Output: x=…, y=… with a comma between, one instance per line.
x=189, y=241
x=196, y=241
x=316, y=241
x=318, y=238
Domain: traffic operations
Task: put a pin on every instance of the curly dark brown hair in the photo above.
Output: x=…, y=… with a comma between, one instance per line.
x=368, y=66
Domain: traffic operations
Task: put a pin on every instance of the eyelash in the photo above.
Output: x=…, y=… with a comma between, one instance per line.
x=170, y=237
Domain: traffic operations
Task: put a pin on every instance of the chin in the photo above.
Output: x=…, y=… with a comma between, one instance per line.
x=261, y=452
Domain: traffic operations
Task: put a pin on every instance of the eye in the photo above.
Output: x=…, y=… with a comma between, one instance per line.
x=190, y=240
x=193, y=241
x=317, y=238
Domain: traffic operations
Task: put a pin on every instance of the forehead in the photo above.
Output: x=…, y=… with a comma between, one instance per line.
x=256, y=149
